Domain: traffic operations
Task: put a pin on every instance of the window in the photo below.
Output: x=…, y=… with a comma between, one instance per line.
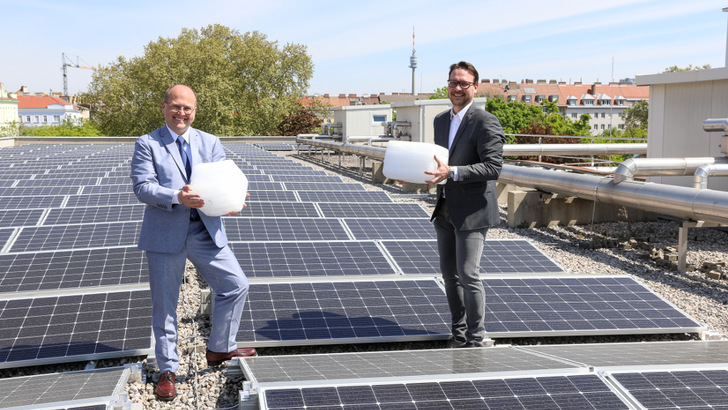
x=540, y=98
x=526, y=98
x=602, y=126
x=57, y=118
x=511, y=97
x=379, y=118
x=45, y=118
x=588, y=102
x=37, y=118
x=573, y=115
x=27, y=118
x=604, y=115
x=596, y=126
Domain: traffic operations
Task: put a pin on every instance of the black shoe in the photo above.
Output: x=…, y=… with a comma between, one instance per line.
x=474, y=343
x=453, y=343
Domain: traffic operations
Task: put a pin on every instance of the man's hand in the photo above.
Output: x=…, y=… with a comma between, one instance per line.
x=190, y=199
x=440, y=174
x=233, y=213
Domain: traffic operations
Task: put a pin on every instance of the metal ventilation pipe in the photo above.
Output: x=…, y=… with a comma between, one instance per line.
x=718, y=125
x=584, y=149
x=630, y=168
x=700, y=180
x=682, y=202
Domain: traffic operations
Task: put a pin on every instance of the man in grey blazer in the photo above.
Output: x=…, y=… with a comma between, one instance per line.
x=466, y=204
x=174, y=231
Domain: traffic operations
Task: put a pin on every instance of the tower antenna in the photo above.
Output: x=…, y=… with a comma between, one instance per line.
x=413, y=62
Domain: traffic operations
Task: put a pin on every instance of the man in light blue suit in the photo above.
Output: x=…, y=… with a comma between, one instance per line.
x=174, y=231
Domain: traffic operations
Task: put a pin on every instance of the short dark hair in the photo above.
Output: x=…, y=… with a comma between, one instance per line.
x=464, y=65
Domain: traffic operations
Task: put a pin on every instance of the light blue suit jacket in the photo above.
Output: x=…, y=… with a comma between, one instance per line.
x=157, y=171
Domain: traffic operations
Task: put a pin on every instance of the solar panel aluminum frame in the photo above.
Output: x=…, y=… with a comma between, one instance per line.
x=619, y=331
x=106, y=398
x=672, y=355
x=353, y=339
x=263, y=389
x=528, y=364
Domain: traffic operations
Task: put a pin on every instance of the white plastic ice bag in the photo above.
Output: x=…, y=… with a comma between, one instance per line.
x=407, y=161
x=222, y=185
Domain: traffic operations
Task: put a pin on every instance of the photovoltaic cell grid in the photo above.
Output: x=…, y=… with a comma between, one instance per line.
x=75, y=201
x=268, y=196
x=282, y=369
x=39, y=191
x=25, y=272
x=45, y=238
x=280, y=210
x=388, y=228
x=530, y=307
x=48, y=389
x=95, y=214
x=548, y=392
x=19, y=217
x=26, y=202
x=57, y=182
x=302, y=259
x=372, y=210
x=516, y=256
x=329, y=186
x=356, y=311
x=74, y=327
x=345, y=197
x=686, y=389
x=284, y=229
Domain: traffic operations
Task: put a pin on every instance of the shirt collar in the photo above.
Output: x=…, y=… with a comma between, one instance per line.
x=185, y=135
x=460, y=113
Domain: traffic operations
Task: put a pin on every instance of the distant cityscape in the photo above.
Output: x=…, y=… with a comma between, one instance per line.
x=604, y=103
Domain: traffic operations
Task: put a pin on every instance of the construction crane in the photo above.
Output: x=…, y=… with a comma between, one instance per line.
x=68, y=63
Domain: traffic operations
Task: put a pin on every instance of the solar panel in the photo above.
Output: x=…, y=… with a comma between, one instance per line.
x=270, y=196
x=328, y=186
x=344, y=196
x=585, y=391
x=57, y=182
x=66, y=328
x=280, y=210
x=578, y=305
x=59, y=390
x=640, y=355
x=265, y=186
x=405, y=364
x=39, y=191
x=19, y=217
x=318, y=179
x=96, y=214
x=106, y=189
x=343, y=312
x=36, y=271
x=500, y=256
x=372, y=210
x=707, y=389
x=300, y=259
x=123, y=198
x=386, y=228
x=48, y=238
x=284, y=229
x=299, y=171
x=25, y=202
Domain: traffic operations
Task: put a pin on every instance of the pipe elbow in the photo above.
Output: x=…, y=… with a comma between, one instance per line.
x=625, y=171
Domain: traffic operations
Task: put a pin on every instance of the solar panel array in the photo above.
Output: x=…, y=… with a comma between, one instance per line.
x=329, y=262
x=500, y=377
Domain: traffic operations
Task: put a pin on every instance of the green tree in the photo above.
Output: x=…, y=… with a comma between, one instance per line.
x=245, y=84
x=635, y=116
x=67, y=129
x=676, y=69
x=440, y=94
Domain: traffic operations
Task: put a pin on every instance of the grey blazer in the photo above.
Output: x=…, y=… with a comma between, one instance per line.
x=477, y=152
x=157, y=171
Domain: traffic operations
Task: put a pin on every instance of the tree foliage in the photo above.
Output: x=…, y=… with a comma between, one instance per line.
x=302, y=121
x=440, y=94
x=68, y=128
x=635, y=116
x=245, y=84
x=676, y=69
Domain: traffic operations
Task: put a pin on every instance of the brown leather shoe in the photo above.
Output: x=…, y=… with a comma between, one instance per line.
x=165, y=387
x=214, y=358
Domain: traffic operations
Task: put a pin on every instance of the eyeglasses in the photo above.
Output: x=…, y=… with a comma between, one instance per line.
x=463, y=84
x=176, y=109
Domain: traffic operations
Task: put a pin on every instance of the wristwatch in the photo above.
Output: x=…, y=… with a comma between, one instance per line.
x=451, y=174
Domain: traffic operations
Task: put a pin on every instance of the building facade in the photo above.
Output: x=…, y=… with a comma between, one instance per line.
x=38, y=111
x=8, y=107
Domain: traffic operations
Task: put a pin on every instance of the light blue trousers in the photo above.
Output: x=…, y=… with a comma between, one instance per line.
x=221, y=270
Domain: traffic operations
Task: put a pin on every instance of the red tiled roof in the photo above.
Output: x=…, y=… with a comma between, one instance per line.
x=39, y=102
